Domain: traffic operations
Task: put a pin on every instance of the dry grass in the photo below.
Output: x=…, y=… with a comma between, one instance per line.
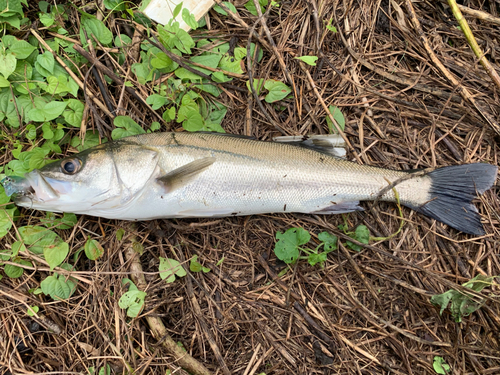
x=364, y=313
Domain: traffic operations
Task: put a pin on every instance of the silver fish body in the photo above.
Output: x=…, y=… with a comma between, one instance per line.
x=182, y=175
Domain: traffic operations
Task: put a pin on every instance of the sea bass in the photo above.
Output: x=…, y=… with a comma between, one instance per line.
x=187, y=175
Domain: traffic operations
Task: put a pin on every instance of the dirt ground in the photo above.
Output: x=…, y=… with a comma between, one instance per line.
x=400, y=72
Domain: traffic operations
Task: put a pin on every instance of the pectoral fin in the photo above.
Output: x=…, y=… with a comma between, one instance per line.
x=185, y=174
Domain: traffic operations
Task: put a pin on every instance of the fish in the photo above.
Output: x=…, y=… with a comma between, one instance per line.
x=205, y=175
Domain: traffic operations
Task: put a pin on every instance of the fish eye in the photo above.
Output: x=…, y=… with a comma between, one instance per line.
x=71, y=166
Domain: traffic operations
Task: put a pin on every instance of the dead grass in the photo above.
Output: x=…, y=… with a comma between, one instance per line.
x=364, y=313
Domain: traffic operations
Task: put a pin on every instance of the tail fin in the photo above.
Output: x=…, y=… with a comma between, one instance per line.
x=452, y=191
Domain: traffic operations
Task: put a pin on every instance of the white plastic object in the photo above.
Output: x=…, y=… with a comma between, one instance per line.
x=162, y=11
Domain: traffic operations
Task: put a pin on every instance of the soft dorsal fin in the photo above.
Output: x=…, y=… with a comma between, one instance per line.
x=331, y=144
x=185, y=174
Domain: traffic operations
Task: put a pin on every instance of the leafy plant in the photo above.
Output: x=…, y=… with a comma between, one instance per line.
x=440, y=366
x=462, y=304
x=338, y=116
x=169, y=268
x=309, y=60
x=289, y=246
x=194, y=266
x=133, y=300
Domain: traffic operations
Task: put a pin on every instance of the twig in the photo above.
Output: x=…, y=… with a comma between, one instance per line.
x=462, y=90
x=158, y=330
x=464, y=26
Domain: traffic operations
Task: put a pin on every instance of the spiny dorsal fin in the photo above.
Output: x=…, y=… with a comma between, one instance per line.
x=331, y=144
x=185, y=174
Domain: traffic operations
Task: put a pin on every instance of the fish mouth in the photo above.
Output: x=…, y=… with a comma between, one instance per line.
x=34, y=187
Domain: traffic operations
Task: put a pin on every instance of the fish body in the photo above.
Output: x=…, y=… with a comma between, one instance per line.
x=185, y=175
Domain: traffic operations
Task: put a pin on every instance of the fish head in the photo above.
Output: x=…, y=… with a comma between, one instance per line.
x=97, y=180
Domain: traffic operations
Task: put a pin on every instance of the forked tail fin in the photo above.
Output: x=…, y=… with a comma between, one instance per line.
x=452, y=191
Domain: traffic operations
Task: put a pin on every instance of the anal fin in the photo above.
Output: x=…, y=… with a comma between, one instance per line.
x=340, y=208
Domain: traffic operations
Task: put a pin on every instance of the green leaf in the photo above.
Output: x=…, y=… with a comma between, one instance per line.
x=73, y=114
x=46, y=60
x=309, y=60
x=4, y=82
x=329, y=241
x=440, y=366
x=177, y=9
x=93, y=249
x=287, y=247
x=115, y=5
x=189, y=19
x=361, y=234
x=314, y=259
x=58, y=287
x=277, y=90
x=47, y=19
x=49, y=112
x=38, y=237
x=169, y=268
x=133, y=301
x=230, y=64
x=6, y=218
x=11, y=7
x=220, y=77
x=55, y=254
x=156, y=101
x=251, y=6
x=21, y=49
x=95, y=27
x=462, y=304
x=67, y=221
x=15, y=272
x=258, y=85
x=209, y=59
x=339, y=118
x=32, y=311
x=7, y=64
x=14, y=21
x=194, y=266
x=169, y=115
x=183, y=41
x=193, y=122
x=162, y=61
x=230, y=6
x=126, y=127
x=119, y=234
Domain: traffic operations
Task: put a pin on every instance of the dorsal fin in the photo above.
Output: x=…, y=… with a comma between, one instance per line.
x=331, y=144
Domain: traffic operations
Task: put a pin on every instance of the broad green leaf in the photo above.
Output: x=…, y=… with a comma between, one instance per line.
x=277, y=90
x=93, y=249
x=309, y=60
x=193, y=122
x=7, y=64
x=440, y=366
x=21, y=49
x=194, y=266
x=68, y=220
x=11, y=8
x=6, y=218
x=95, y=27
x=56, y=253
x=361, y=234
x=58, y=287
x=230, y=64
x=4, y=82
x=47, y=131
x=189, y=19
x=91, y=139
x=162, y=61
x=183, y=41
x=119, y=234
x=230, y=6
x=287, y=247
x=47, y=19
x=339, y=118
x=220, y=77
x=156, y=101
x=251, y=6
x=115, y=5
x=210, y=59
x=329, y=241
x=314, y=259
x=183, y=73
x=32, y=311
x=14, y=21
x=258, y=85
x=133, y=301
x=169, y=268
x=15, y=272
x=46, y=60
x=49, y=112
x=73, y=113
x=126, y=127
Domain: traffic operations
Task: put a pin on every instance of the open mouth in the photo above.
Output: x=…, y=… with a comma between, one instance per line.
x=32, y=187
